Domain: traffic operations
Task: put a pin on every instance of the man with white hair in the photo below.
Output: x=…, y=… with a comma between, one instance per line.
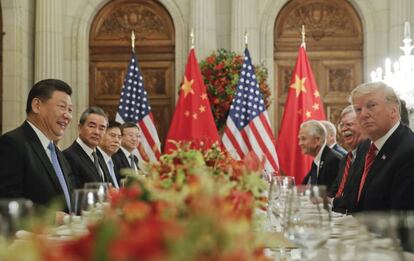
x=331, y=138
x=312, y=141
x=387, y=181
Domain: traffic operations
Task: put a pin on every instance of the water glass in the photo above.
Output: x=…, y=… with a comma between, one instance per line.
x=102, y=187
x=15, y=215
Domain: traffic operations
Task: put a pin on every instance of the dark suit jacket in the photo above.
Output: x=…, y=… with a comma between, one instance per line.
x=121, y=161
x=83, y=167
x=339, y=149
x=341, y=204
x=26, y=171
x=390, y=182
x=328, y=168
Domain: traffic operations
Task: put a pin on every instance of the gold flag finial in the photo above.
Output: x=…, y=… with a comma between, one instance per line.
x=192, y=38
x=246, y=39
x=303, y=37
x=133, y=41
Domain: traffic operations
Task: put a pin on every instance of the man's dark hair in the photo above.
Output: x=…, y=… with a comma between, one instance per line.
x=127, y=125
x=44, y=89
x=113, y=124
x=92, y=110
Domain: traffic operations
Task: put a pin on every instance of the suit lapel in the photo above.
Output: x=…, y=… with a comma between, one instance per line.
x=86, y=161
x=41, y=154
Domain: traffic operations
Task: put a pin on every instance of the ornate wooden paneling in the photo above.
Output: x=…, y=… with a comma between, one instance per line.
x=110, y=52
x=334, y=47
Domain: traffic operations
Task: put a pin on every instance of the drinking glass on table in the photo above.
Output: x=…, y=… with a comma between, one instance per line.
x=308, y=218
x=278, y=189
x=102, y=187
x=15, y=215
x=85, y=203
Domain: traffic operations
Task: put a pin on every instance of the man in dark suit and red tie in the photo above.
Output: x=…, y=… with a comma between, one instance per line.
x=352, y=163
x=31, y=166
x=387, y=180
x=312, y=141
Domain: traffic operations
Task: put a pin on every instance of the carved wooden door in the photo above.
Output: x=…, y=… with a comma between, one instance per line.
x=334, y=47
x=110, y=52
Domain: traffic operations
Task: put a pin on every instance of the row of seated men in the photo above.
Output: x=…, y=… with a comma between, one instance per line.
x=33, y=167
x=377, y=172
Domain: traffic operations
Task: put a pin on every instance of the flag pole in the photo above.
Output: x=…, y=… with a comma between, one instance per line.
x=133, y=41
x=303, y=44
x=245, y=39
x=192, y=38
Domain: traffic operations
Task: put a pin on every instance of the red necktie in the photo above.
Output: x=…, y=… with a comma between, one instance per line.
x=345, y=175
x=369, y=159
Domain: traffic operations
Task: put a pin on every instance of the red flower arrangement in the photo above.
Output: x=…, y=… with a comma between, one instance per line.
x=221, y=72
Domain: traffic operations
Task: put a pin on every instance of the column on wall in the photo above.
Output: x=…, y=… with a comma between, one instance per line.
x=244, y=18
x=203, y=22
x=49, y=39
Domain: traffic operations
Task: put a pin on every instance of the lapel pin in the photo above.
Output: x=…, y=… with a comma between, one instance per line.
x=384, y=157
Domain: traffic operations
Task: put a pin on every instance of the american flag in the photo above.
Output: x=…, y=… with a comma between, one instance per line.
x=134, y=107
x=247, y=126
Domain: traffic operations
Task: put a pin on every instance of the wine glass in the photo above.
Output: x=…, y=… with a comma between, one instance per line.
x=102, y=187
x=85, y=205
x=308, y=218
x=15, y=215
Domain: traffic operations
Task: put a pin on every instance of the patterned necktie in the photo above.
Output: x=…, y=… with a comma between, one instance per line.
x=59, y=173
x=112, y=173
x=96, y=163
x=369, y=159
x=132, y=162
x=314, y=174
x=345, y=175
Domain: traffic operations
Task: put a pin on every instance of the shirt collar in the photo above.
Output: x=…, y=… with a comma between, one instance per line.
x=318, y=156
x=105, y=156
x=127, y=153
x=42, y=137
x=85, y=147
x=379, y=143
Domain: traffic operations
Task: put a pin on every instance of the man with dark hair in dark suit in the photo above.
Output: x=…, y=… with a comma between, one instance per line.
x=109, y=146
x=86, y=161
x=124, y=158
x=387, y=180
x=31, y=166
x=312, y=141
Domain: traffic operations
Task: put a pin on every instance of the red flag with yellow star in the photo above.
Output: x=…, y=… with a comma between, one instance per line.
x=192, y=121
x=303, y=103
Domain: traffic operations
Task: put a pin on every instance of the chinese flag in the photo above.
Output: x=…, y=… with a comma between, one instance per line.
x=303, y=103
x=192, y=121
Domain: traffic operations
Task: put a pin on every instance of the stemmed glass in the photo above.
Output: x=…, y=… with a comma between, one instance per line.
x=102, y=187
x=84, y=209
x=15, y=214
x=278, y=189
x=308, y=218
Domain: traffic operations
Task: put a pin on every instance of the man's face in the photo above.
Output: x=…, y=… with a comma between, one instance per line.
x=350, y=130
x=111, y=141
x=308, y=143
x=92, y=131
x=53, y=115
x=375, y=115
x=130, y=138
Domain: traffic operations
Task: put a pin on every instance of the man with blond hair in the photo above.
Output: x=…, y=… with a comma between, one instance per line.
x=312, y=141
x=387, y=179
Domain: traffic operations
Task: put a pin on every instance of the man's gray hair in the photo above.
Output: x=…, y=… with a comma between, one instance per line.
x=348, y=109
x=329, y=127
x=374, y=87
x=92, y=110
x=316, y=129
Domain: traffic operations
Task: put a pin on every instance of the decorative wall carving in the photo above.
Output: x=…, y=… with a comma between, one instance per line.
x=133, y=17
x=109, y=82
x=340, y=79
x=154, y=81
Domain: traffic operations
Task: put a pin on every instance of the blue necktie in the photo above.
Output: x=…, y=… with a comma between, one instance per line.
x=59, y=173
x=314, y=174
x=112, y=173
x=132, y=162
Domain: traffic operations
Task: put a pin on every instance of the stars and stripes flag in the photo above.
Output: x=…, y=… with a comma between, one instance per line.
x=134, y=107
x=248, y=126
